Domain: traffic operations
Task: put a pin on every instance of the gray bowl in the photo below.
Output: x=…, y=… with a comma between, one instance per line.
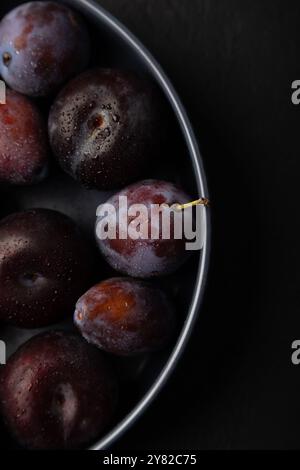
x=119, y=47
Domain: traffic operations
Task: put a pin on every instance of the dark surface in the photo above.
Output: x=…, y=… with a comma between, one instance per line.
x=233, y=62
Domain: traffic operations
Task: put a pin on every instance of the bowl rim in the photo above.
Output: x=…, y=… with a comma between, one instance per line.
x=94, y=9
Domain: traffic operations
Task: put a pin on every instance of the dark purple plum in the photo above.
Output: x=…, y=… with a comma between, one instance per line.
x=57, y=392
x=44, y=266
x=104, y=128
x=125, y=317
x=148, y=257
x=42, y=45
x=23, y=141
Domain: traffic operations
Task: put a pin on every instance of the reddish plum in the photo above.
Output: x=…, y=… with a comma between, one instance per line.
x=124, y=316
x=144, y=257
x=44, y=266
x=23, y=141
x=104, y=126
x=42, y=44
x=57, y=392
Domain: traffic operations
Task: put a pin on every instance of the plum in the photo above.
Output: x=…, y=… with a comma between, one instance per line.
x=125, y=316
x=23, y=141
x=152, y=255
x=104, y=128
x=44, y=266
x=57, y=392
x=42, y=45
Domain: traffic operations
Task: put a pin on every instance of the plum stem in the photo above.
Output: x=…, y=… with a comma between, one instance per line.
x=203, y=201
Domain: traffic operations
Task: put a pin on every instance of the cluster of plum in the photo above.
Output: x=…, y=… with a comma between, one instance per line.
x=58, y=390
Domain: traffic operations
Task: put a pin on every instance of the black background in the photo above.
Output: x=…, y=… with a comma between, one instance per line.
x=233, y=62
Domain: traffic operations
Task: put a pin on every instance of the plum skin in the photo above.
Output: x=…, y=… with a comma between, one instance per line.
x=57, y=392
x=125, y=317
x=145, y=258
x=104, y=127
x=24, y=145
x=44, y=266
x=42, y=45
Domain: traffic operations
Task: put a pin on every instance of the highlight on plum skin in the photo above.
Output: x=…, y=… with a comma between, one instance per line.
x=57, y=392
x=42, y=45
x=24, y=148
x=125, y=317
x=45, y=264
x=105, y=127
x=145, y=258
